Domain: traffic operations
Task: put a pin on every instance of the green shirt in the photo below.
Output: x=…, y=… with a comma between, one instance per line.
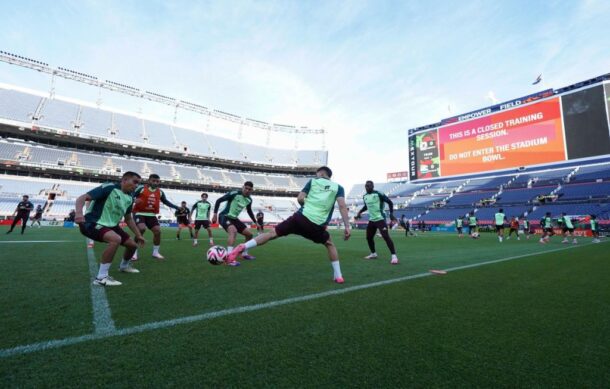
x=593, y=225
x=320, y=201
x=109, y=204
x=500, y=218
x=526, y=224
x=567, y=222
x=375, y=203
x=236, y=202
x=458, y=223
x=545, y=222
x=473, y=220
x=203, y=210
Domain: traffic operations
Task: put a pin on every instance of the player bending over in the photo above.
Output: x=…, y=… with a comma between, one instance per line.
x=109, y=204
x=229, y=217
x=317, y=199
x=374, y=203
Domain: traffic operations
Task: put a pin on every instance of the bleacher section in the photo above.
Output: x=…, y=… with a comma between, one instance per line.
x=85, y=121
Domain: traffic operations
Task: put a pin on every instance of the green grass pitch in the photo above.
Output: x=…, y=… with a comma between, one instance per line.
x=540, y=318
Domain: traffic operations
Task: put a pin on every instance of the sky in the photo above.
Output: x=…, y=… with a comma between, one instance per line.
x=365, y=71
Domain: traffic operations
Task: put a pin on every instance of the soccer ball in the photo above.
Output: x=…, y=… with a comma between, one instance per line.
x=475, y=235
x=216, y=255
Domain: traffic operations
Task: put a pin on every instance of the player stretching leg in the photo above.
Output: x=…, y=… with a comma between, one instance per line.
x=109, y=204
x=202, y=208
x=146, y=207
x=318, y=199
x=374, y=202
x=229, y=217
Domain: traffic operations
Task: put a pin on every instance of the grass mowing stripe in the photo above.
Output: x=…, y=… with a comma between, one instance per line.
x=34, y=347
x=40, y=241
x=102, y=316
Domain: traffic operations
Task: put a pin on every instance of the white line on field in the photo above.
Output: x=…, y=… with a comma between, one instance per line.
x=51, y=344
x=102, y=316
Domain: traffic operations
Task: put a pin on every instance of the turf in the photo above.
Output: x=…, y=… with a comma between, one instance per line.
x=540, y=319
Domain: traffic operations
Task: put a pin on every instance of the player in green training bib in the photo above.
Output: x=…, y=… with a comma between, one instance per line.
x=459, y=225
x=374, y=203
x=567, y=228
x=108, y=205
x=525, y=227
x=317, y=199
x=202, y=219
x=473, y=226
x=594, y=228
x=500, y=219
x=546, y=223
x=236, y=201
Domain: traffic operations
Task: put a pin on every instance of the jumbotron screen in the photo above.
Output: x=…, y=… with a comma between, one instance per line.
x=569, y=126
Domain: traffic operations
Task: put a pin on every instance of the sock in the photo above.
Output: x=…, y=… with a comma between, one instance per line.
x=103, y=272
x=250, y=244
x=124, y=263
x=156, y=249
x=336, y=269
x=211, y=240
x=394, y=256
x=195, y=241
x=229, y=249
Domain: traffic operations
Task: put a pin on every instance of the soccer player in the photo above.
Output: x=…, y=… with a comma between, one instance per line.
x=109, y=204
x=202, y=210
x=525, y=225
x=317, y=199
x=236, y=200
x=37, y=216
x=183, y=217
x=459, y=226
x=514, y=227
x=374, y=203
x=567, y=229
x=500, y=219
x=546, y=223
x=146, y=207
x=472, y=225
x=22, y=212
x=594, y=229
x=260, y=222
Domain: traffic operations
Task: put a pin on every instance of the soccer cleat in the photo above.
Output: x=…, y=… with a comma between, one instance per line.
x=236, y=251
x=542, y=241
x=128, y=269
x=134, y=257
x=248, y=257
x=596, y=241
x=233, y=263
x=107, y=281
x=564, y=241
x=158, y=256
x=371, y=256
x=339, y=280
x=394, y=261
x=195, y=244
x=574, y=241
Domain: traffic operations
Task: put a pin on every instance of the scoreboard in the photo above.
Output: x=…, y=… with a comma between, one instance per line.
x=538, y=129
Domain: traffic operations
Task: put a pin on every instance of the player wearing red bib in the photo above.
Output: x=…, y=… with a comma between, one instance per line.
x=146, y=208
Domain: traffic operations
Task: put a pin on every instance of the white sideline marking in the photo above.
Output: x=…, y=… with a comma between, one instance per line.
x=102, y=316
x=40, y=241
x=51, y=344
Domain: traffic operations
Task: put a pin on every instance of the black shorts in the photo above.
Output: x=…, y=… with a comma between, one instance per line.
x=226, y=221
x=549, y=230
x=459, y=230
x=566, y=229
x=96, y=232
x=183, y=220
x=260, y=222
x=38, y=216
x=378, y=225
x=202, y=223
x=499, y=227
x=298, y=224
x=148, y=221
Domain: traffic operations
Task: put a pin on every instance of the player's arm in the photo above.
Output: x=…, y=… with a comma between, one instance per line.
x=165, y=201
x=250, y=213
x=303, y=193
x=220, y=200
x=361, y=212
x=78, y=207
x=387, y=200
x=344, y=216
x=134, y=228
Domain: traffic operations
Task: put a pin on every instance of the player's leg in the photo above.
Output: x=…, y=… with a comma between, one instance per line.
x=15, y=221
x=196, y=236
x=24, y=223
x=231, y=235
x=113, y=241
x=388, y=241
x=371, y=229
x=211, y=238
x=156, y=230
x=142, y=227
x=333, y=255
x=248, y=235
